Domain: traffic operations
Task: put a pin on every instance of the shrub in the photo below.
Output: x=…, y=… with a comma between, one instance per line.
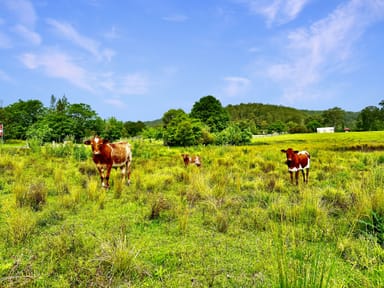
x=33, y=195
x=159, y=205
x=118, y=259
x=21, y=223
x=373, y=225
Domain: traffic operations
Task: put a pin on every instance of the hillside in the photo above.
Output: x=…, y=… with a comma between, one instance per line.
x=269, y=113
x=258, y=112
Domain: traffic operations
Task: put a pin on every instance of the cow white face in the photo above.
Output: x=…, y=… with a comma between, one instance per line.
x=96, y=143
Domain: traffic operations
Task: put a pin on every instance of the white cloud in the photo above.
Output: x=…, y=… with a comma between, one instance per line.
x=276, y=11
x=57, y=65
x=23, y=10
x=129, y=84
x=134, y=84
x=176, y=18
x=236, y=85
x=70, y=33
x=29, y=35
x=324, y=47
x=115, y=102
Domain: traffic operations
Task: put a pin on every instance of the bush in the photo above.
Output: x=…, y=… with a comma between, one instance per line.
x=34, y=195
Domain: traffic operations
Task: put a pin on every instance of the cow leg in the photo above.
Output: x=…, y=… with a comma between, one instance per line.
x=291, y=176
x=306, y=178
x=101, y=173
x=129, y=173
x=302, y=171
x=297, y=177
x=125, y=170
x=106, y=184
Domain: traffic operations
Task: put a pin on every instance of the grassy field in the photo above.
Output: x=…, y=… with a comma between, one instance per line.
x=235, y=222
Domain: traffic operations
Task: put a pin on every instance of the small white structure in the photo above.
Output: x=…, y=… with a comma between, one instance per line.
x=326, y=130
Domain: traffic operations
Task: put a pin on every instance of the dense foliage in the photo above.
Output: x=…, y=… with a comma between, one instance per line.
x=207, y=123
x=61, y=121
x=210, y=111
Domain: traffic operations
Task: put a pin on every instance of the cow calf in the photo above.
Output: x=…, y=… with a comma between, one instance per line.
x=191, y=160
x=297, y=161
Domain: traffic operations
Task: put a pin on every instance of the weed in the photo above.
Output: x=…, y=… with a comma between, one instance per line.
x=33, y=195
x=159, y=205
x=118, y=259
x=373, y=225
x=21, y=223
x=222, y=222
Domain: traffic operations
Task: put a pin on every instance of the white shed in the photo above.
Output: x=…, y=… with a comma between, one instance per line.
x=325, y=129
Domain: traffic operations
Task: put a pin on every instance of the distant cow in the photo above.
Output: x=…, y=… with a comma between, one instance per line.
x=191, y=160
x=297, y=161
x=107, y=155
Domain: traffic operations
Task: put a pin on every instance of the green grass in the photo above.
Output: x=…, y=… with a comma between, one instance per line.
x=235, y=222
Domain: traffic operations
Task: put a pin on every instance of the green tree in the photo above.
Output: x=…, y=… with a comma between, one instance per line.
x=171, y=115
x=40, y=131
x=277, y=127
x=312, y=124
x=133, y=129
x=113, y=129
x=334, y=117
x=210, y=112
x=233, y=135
x=83, y=120
x=370, y=119
x=182, y=130
x=19, y=116
x=152, y=133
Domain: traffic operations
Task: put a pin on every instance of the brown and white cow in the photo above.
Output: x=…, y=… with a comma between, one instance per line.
x=191, y=160
x=107, y=155
x=297, y=161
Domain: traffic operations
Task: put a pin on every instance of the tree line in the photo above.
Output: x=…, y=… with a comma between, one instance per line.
x=207, y=123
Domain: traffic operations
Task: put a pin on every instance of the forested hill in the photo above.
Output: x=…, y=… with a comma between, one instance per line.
x=269, y=113
x=265, y=112
x=258, y=112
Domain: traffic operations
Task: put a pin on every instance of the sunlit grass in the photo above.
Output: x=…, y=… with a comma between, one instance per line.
x=237, y=221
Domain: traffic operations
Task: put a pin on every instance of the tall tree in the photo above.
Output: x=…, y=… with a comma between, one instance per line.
x=133, y=129
x=334, y=117
x=84, y=120
x=113, y=129
x=210, y=112
x=19, y=116
x=370, y=119
x=182, y=130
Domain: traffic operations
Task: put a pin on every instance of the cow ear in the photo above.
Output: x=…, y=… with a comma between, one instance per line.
x=105, y=141
x=284, y=151
x=87, y=142
x=296, y=151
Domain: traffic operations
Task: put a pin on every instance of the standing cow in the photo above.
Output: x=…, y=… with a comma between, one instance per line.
x=297, y=161
x=107, y=155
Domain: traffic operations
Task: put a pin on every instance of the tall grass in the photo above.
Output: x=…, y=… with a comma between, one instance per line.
x=235, y=222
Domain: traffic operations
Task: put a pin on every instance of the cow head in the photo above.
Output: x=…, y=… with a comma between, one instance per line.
x=290, y=153
x=96, y=143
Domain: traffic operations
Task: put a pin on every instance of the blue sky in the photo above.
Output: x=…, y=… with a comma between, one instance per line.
x=136, y=59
